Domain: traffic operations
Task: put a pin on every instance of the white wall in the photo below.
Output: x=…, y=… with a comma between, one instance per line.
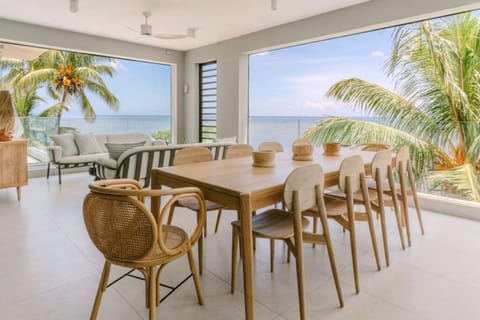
x=23, y=33
x=231, y=55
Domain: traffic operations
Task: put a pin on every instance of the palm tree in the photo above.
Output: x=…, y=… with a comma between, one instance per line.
x=68, y=77
x=435, y=107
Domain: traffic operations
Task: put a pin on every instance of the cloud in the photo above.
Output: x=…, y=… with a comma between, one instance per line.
x=117, y=65
x=377, y=54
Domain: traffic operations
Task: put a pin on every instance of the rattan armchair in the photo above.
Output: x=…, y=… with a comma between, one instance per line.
x=128, y=234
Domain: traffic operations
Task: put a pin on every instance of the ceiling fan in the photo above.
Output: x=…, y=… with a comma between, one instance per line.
x=146, y=30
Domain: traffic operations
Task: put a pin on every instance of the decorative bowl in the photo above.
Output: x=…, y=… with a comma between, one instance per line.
x=302, y=150
x=331, y=148
x=263, y=159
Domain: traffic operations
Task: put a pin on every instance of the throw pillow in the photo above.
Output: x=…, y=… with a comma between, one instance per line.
x=86, y=143
x=66, y=142
x=115, y=150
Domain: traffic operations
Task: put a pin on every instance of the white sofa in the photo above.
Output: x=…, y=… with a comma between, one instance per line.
x=79, y=150
x=137, y=163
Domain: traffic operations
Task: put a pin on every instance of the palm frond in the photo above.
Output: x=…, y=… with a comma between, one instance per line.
x=54, y=110
x=392, y=108
x=104, y=93
x=462, y=180
x=350, y=131
x=36, y=78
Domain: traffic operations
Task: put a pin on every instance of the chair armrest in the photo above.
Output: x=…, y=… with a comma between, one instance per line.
x=54, y=153
x=177, y=194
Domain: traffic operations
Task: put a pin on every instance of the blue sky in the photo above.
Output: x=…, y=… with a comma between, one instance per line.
x=142, y=89
x=293, y=81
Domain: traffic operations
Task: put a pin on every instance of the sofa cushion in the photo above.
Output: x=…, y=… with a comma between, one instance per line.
x=101, y=140
x=108, y=162
x=67, y=143
x=115, y=150
x=83, y=158
x=86, y=143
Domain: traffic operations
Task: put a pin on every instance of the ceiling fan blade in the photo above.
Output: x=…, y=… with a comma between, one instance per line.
x=169, y=36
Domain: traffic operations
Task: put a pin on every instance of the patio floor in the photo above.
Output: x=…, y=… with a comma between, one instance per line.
x=49, y=269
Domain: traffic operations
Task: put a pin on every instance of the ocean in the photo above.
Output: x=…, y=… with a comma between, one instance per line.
x=282, y=129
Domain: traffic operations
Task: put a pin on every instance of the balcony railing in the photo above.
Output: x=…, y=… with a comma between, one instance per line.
x=37, y=130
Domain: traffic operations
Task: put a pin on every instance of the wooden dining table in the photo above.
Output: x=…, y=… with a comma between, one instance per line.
x=238, y=185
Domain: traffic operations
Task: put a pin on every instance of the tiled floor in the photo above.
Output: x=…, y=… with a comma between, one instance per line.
x=50, y=270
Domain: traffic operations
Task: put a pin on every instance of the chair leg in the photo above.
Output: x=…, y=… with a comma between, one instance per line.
x=315, y=227
x=157, y=279
x=48, y=170
x=272, y=254
x=396, y=208
x=384, y=237
x=331, y=257
x=371, y=227
x=170, y=215
x=59, y=174
x=152, y=290
x=233, y=276
x=200, y=248
x=217, y=223
x=300, y=271
x=196, y=278
x=415, y=198
x=101, y=289
x=403, y=191
x=353, y=245
x=205, y=227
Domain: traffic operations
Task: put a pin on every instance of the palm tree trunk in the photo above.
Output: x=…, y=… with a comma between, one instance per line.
x=60, y=111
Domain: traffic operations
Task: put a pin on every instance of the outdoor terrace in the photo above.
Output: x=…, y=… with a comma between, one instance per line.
x=50, y=269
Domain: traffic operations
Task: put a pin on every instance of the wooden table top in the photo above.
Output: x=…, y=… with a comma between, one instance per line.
x=238, y=176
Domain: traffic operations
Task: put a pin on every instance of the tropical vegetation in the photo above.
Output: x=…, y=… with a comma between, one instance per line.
x=68, y=77
x=435, y=107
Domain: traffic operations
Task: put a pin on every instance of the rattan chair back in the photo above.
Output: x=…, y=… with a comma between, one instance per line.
x=121, y=227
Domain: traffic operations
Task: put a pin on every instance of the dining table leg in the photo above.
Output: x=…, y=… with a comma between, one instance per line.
x=246, y=239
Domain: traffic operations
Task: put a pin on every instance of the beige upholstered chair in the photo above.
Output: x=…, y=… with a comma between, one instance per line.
x=302, y=190
x=270, y=145
x=192, y=155
x=238, y=151
x=125, y=231
x=352, y=189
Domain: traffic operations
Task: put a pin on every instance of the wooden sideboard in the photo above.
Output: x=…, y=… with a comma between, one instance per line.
x=13, y=165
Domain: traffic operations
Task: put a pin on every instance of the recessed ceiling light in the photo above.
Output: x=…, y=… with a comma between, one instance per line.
x=273, y=5
x=74, y=5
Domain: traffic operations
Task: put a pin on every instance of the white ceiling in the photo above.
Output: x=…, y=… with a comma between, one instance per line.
x=215, y=20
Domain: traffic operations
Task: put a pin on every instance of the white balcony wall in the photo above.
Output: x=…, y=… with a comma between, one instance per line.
x=29, y=34
x=232, y=55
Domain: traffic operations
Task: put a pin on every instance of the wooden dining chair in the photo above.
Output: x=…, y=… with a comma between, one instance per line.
x=186, y=156
x=382, y=181
x=238, y=151
x=270, y=146
x=129, y=235
x=406, y=188
x=339, y=202
x=302, y=190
